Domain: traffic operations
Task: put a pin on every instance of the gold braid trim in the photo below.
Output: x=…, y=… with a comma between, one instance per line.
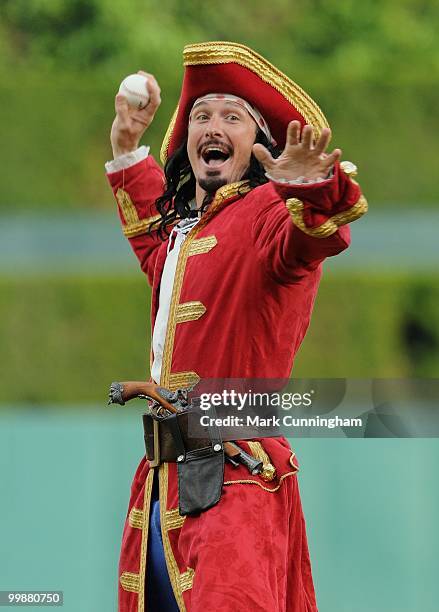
x=220, y=52
x=141, y=227
x=186, y=579
x=180, y=380
x=167, y=138
x=329, y=227
x=268, y=470
x=173, y=519
x=226, y=53
x=190, y=311
x=135, y=518
x=222, y=195
x=127, y=207
x=133, y=225
x=171, y=564
x=144, y=545
x=130, y=582
x=259, y=484
x=258, y=451
x=135, y=583
x=200, y=246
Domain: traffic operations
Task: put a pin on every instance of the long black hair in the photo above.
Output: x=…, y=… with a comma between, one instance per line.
x=180, y=185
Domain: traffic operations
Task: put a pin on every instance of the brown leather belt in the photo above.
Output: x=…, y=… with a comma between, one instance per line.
x=160, y=438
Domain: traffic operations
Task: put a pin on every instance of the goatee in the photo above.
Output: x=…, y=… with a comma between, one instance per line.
x=212, y=183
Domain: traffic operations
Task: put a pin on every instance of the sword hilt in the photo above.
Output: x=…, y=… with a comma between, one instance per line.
x=236, y=454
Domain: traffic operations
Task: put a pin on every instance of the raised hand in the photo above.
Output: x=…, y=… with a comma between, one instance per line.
x=130, y=124
x=301, y=157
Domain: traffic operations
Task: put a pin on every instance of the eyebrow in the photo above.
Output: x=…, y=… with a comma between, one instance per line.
x=204, y=105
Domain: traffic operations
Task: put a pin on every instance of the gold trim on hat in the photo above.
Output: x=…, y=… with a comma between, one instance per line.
x=167, y=138
x=219, y=52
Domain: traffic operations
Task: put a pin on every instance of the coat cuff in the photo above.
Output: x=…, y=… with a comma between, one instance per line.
x=300, y=180
x=126, y=161
x=319, y=209
x=136, y=190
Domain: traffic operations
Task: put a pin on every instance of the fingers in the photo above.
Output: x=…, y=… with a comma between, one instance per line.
x=153, y=89
x=323, y=141
x=121, y=107
x=130, y=123
x=333, y=157
x=293, y=133
x=307, y=137
x=154, y=95
x=263, y=156
x=126, y=131
x=327, y=163
x=296, y=138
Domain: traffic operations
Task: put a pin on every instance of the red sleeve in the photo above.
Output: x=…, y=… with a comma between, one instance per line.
x=301, y=225
x=136, y=189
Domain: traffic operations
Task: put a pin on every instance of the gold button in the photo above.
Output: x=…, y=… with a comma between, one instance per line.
x=268, y=472
x=349, y=168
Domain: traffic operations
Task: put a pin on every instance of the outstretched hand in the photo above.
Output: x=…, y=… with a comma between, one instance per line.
x=130, y=124
x=301, y=157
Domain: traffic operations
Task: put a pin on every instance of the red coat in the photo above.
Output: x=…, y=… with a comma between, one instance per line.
x=244, y=289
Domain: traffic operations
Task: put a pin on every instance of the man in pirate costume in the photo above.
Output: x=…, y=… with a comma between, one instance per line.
x=232, y=239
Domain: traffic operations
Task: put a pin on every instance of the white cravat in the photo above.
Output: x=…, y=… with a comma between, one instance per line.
x=176, y=239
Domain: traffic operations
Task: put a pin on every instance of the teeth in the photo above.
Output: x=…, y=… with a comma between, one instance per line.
x=209, y=149
x=215, y=160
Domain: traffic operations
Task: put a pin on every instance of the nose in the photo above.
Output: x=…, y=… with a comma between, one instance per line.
x=213, y=127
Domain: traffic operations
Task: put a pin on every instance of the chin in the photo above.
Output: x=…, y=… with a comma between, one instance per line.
x=210, y=184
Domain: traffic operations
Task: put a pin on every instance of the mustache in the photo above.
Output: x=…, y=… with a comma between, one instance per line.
x=215, y=143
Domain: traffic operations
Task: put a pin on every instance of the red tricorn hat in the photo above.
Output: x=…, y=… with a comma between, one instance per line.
x=231, y=68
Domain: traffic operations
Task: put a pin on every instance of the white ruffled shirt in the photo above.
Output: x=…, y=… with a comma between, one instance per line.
x=176, y=239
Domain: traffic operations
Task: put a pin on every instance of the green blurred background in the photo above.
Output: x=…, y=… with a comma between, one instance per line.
x=75, y=307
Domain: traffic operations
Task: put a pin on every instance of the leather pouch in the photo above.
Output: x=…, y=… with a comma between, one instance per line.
x=200, y=474
x=200, y=480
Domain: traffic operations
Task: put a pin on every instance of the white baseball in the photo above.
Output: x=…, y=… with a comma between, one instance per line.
x=133, y=87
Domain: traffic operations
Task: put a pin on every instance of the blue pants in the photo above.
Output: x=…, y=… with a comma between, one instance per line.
x=159, y=594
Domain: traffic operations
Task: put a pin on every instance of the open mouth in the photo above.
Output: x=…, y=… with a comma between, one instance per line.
x=214, y=156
